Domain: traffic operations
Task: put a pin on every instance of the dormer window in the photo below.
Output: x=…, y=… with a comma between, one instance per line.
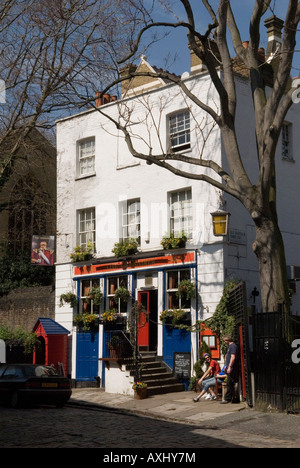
x=179, y=131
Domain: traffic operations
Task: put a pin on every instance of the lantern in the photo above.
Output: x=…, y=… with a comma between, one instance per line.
x=220, y=222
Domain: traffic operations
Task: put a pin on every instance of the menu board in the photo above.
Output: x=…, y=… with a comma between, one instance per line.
x=182, y=365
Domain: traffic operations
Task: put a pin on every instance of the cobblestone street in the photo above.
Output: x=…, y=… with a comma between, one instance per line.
x=76, y=427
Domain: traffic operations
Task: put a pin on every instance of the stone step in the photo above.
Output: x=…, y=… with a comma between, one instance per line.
x=167, y=381
x=162, y=389
x=158, y=377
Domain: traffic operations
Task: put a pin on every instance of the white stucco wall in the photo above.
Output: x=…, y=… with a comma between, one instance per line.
x=120, y=177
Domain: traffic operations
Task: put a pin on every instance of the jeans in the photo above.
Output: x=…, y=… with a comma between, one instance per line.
x=211, y=382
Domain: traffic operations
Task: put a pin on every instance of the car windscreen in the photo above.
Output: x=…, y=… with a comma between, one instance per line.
x=40, y=371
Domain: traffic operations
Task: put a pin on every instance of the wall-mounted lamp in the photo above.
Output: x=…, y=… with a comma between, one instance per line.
x=220, y=221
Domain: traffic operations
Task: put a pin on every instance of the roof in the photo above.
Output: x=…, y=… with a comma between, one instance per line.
x=51, y=327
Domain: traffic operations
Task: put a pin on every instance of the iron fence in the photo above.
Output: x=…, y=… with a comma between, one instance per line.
x=277, y=375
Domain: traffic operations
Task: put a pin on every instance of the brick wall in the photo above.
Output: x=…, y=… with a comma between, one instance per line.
x=23, y=307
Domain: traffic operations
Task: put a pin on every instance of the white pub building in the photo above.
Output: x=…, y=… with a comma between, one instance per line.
x=106, y=196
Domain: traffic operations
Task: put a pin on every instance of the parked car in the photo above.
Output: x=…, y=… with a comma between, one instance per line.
x=33, y=383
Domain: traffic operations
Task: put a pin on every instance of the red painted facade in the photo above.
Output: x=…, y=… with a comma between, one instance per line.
x=54, y=348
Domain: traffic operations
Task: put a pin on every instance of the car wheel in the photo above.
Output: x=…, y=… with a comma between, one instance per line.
x=15, y=400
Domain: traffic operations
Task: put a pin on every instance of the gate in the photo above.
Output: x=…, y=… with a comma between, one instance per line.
x=292, y=373
x=238, y=307
x=277, y=365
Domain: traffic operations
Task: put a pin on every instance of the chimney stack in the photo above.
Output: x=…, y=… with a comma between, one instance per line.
x=102, y=99
x=274, y=26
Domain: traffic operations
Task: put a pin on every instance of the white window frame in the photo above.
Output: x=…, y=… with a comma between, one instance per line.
x=86, y=227
x=86, y=157
x=179, y=130
x=210, y=340
x=131, y=219
x=113, y=283
x=181, y=212
x=176, y=276
x=286, y=142
x=84, y=305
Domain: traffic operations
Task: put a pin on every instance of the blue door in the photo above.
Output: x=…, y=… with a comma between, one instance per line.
x=87, y=356
x=175, y=340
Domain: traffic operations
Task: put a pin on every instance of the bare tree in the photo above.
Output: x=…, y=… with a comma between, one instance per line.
x=270, y=109
x=54, y=56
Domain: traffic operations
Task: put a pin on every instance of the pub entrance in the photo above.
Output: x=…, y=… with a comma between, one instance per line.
x=147, y=326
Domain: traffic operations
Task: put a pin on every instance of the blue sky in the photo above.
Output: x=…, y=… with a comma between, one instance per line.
x=164, y=52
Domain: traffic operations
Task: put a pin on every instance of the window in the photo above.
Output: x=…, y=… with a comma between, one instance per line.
x=179, y=131
x=174, y=277
x=113, y=284
x=210, y=340
x=286, y=137
x=131, y=220
x=86, y=227
x=86, y=157
x=13, y=372
x=87, y=306
x=181, y=217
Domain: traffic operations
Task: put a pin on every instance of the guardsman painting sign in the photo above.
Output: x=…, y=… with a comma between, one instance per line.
x=42, y=250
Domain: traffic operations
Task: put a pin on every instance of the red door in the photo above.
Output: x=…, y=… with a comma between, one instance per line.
x=143, y=325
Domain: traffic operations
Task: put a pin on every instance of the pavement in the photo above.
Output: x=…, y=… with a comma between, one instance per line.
x=178, y=406
x=217, y=424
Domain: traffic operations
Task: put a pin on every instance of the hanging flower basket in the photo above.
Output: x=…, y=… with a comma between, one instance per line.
x=122, y=293
x=95, y=294
x=186, y=288
x=68, y=298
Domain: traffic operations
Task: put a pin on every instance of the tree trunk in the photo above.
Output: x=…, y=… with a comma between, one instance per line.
x=270, y=252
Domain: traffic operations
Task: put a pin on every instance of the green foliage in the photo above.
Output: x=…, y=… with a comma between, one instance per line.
x=122, y=293
x=173, y=316
x=198, y=366
x=95, y=294
x=186, y=288
x=19, y=337
x=223, y=321
x=16, y=272
x=86, y=321
x=173, y=242
x=69, y=298
x=80, y=254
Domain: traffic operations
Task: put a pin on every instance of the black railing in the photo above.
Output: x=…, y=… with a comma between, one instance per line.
x=117, y=344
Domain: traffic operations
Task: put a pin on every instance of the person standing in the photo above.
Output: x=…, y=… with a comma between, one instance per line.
x=232, y=368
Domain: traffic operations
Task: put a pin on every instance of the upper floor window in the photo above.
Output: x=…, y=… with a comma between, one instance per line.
x=286, y=138
x=179, y=131
x=86, y=227
x=181, y=216
x=86, y=157
x=131, y=220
